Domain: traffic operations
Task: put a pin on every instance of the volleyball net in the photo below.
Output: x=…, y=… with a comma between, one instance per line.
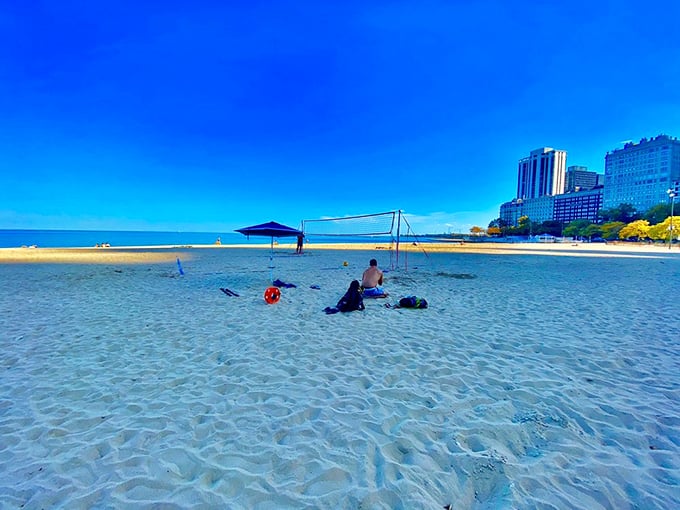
x=389, y=227
x=379, y=224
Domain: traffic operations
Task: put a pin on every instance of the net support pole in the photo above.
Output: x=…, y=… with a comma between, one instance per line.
x=398, y=234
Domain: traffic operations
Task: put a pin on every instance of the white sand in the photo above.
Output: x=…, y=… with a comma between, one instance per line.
x=530, y=382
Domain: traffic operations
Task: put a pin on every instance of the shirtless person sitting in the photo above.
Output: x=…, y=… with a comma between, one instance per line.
x=371, y=281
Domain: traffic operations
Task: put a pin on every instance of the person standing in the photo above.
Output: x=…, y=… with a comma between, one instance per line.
x=300, y=239
x=372, y=280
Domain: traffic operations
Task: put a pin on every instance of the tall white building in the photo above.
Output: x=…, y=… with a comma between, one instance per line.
x=541, y=173
x=640, y=173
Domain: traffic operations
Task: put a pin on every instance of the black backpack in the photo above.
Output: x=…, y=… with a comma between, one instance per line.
x=352, y=300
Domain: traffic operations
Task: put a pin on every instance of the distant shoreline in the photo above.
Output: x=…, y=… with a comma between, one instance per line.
x=168, y=253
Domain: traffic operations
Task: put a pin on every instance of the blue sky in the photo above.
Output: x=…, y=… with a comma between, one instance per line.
x=208, y=116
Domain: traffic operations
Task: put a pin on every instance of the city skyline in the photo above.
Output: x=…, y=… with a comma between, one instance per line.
x=207, y=118
x=640, y=175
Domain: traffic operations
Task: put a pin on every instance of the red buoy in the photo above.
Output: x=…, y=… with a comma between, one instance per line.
x=272, y=295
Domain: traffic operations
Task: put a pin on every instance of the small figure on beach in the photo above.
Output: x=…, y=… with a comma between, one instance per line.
x=372, y=280
x=218, y=241
x=351, y=301
x=300, y=240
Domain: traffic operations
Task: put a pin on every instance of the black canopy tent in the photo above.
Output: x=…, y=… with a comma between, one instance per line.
x=272, y=230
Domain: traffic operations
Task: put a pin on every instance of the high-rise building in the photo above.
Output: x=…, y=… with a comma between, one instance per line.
x=537, y=210
x=640, y=173
x=566, y=207
x=579, y=178
x=541, y=173
x=579, y=205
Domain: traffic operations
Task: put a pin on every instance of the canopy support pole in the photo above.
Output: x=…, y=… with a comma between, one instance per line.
x=271, y=261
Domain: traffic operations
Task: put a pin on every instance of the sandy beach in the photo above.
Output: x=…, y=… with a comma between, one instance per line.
x=129, y=255
x=529, y=382
x=162, y=254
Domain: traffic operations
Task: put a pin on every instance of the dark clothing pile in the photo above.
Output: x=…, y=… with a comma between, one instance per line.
x=351, y=301
x=279, y=283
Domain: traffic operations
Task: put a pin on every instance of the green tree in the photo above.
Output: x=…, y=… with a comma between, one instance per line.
x=610, y=230
x=638, y=229
x=523, y=226
x=592, y=230
x=658, y=213
x=476, y=231
x=623, y=212
x=576, y=228
x=493, y=231
x=498, y=222
x=551, y=227
x=501, y=225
